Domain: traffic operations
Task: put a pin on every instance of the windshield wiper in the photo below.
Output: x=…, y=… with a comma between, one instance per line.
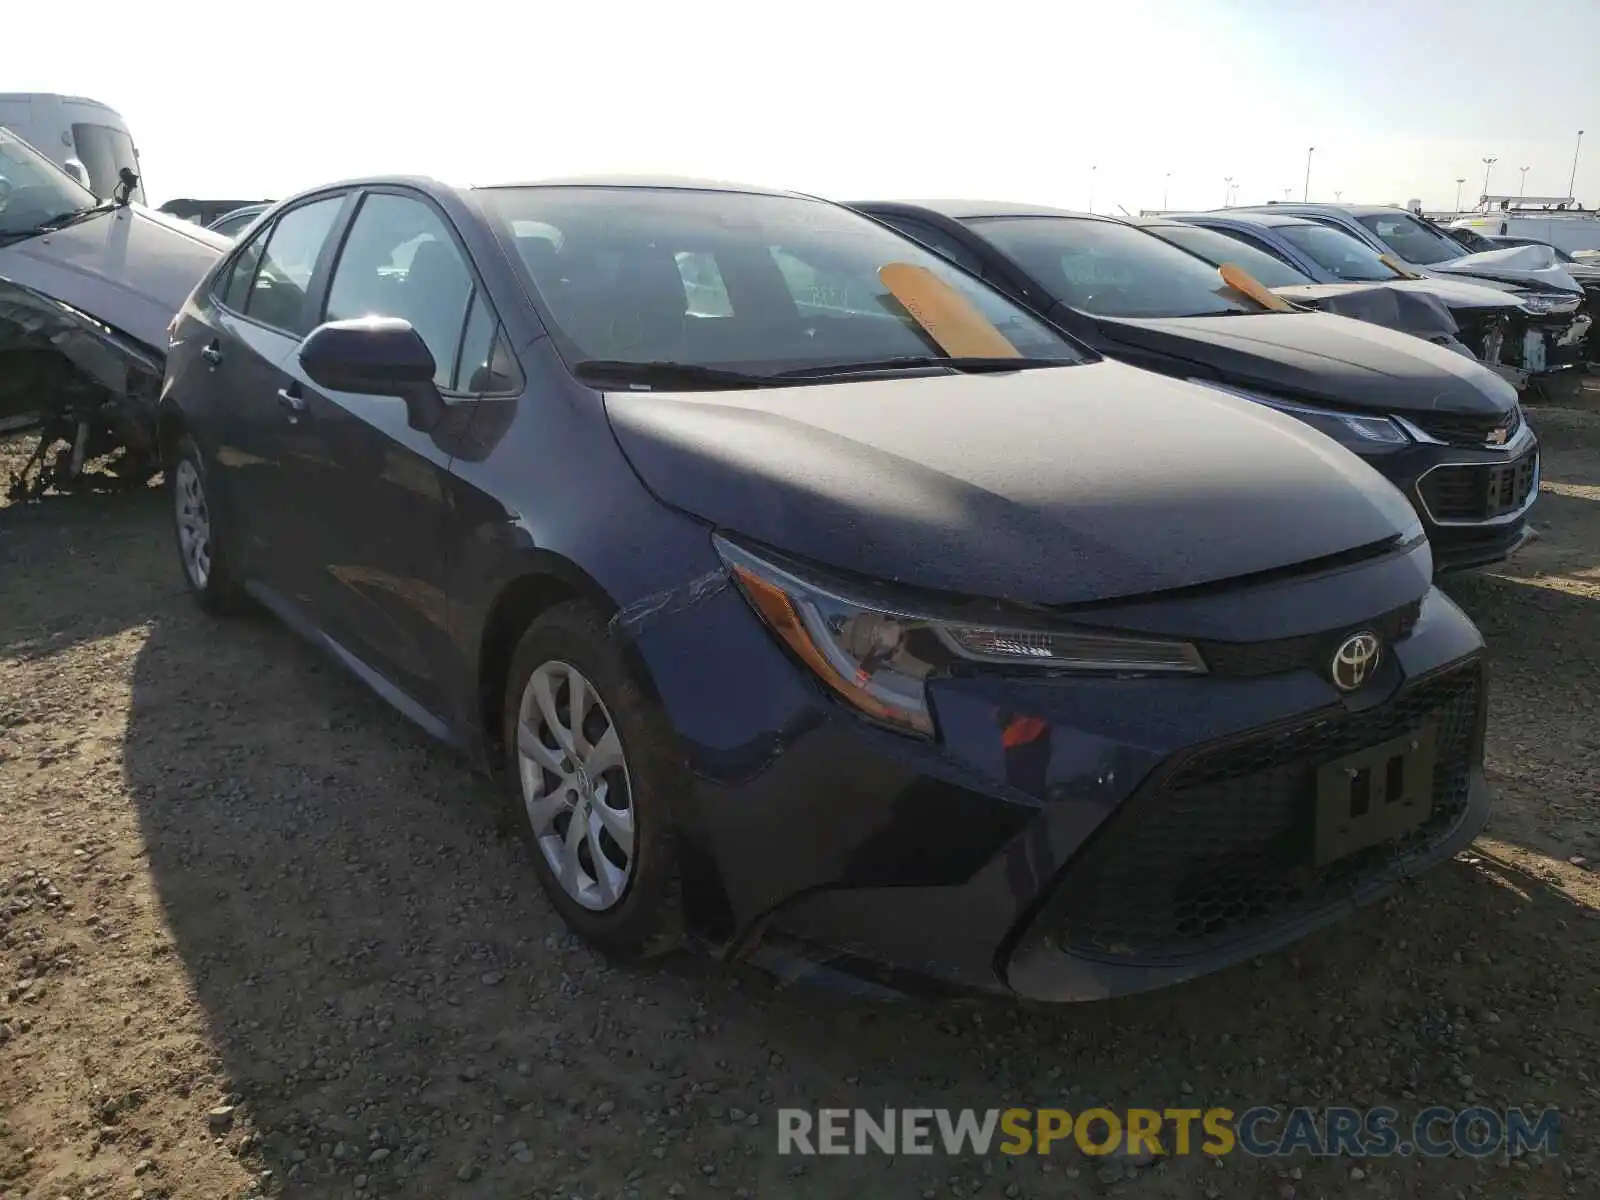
x=922, y=362
x=666, y=374
x=56, y=223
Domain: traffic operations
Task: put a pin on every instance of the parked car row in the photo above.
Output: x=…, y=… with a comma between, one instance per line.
x=1532, y=273
x=1447, y=431
x=1327, y=268
x=994, y=594
x=815, y=593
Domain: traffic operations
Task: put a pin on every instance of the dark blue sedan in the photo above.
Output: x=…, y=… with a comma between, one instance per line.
x=792, y=623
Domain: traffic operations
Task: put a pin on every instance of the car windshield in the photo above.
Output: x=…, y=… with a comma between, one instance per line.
x=701, y=278
x=1412, y=240
x=1109, y=269
x=1217, y=248
x=33, y=190
x=1341, y=254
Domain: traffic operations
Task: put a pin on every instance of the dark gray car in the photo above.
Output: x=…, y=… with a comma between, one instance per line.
x=786, y=629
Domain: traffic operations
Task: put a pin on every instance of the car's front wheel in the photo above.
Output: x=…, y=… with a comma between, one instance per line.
x=206, y=566
x=591, y=777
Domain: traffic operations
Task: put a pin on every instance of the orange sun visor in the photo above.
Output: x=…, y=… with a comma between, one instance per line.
x=949, y=317
x=1241, y=280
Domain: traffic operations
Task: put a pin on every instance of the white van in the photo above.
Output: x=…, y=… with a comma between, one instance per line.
x=87, y=139
x=1554, y=219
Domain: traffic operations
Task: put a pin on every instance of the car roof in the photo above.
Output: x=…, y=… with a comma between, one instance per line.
x=657, y=182
x=1349, y=210
x=958, y=210
x=1266, y=220
x=436, y=187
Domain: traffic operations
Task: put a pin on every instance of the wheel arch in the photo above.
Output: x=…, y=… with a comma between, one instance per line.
x=546, y=580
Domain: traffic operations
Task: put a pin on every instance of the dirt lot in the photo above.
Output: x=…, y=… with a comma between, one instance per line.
x=258, y=936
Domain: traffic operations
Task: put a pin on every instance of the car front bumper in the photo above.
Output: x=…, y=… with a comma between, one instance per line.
x=975, y=861
x=1473, y=502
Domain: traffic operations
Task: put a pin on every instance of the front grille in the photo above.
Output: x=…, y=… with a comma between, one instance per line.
x=1312, y=651
x=1468, y=429
x=1222, y=848
x=1479, y=491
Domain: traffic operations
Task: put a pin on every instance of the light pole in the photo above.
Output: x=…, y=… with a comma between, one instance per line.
x=1336, y=194
x=1166, y=186
x=1227, y=189
x=1488, y=165
x=1286, y=192
x=1573, y=181
x=1092, y=170
x=1460, y=179
x=1307, y=196
x=1522, y=189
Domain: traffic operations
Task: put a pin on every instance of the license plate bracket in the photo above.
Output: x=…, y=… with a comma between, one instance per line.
x=1373, y=795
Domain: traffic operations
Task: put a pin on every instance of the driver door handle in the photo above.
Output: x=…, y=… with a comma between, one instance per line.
x=292, y=400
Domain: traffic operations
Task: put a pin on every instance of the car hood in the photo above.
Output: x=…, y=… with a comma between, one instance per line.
x=1321, y=356
x=129, y=268
x=1417, y=313
x=1049, y=486
x=1456, y=294
x=1533, y=266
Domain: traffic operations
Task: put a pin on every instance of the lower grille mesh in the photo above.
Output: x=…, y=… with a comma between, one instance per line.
x=1222, y=849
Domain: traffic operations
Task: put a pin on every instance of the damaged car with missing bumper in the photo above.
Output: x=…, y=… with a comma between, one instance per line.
x=87, y=290
x=1328, y=269
x=1560, y=340
x=814, y=602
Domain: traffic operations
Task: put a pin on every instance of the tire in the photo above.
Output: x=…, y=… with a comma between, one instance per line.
x=627, y=902
x=202, y=550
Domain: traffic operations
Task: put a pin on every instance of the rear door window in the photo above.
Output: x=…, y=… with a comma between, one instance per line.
x=400, y=260
x=277, y=295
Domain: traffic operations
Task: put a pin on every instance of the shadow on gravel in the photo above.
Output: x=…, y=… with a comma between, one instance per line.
x=91, y=550
x=393, y=998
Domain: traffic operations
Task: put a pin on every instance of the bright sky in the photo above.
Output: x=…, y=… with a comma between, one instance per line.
x=1052, y=101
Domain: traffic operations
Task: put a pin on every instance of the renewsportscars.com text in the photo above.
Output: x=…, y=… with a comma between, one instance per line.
x=1261, y=1131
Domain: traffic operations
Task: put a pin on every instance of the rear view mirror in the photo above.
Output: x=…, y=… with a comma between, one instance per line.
x=376, y=356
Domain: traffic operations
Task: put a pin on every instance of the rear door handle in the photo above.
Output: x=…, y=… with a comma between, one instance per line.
x=292, y=400
x=212, y=354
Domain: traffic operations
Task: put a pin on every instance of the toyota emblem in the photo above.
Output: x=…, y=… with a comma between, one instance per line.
x=1355, y=660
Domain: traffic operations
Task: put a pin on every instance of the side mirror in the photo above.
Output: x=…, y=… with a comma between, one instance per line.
x=376, y=356
x=76, y=169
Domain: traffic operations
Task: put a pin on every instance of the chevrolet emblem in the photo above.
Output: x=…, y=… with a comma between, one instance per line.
x=1498, y=437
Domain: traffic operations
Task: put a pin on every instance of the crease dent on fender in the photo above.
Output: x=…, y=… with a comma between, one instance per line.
x=671, y=600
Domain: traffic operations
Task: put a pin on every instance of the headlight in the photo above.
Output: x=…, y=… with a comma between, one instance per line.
x=878, y=655
x=1349, y=428
x=1535, y=302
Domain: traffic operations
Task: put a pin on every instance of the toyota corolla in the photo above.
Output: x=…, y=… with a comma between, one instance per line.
x=810, y=599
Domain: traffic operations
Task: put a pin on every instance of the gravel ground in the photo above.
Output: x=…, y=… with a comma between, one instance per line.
x=257, y=936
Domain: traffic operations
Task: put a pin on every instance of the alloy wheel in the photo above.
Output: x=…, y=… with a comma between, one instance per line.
x=575, y=785
x=194, y=523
